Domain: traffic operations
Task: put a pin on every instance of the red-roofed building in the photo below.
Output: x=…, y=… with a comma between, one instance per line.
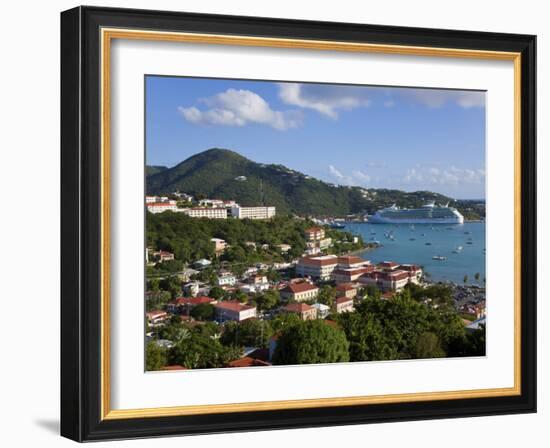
x=156, y=317
x=163, y=255
x=350, y=274
x=303, y=310
x=160, y=207
x=351, y=261
x=388, y=266
x=234, y=310
x=247, y=361
x=317, y=267
x=299, y=292
x=346, y=290
x=344, y=305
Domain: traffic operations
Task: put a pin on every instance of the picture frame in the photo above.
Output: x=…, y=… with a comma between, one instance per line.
x=86, y=37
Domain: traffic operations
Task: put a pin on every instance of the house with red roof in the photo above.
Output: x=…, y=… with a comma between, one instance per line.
x=343, y=305
x=299, y=292
x=303, y=310
x=234, y=310
x=346, y=290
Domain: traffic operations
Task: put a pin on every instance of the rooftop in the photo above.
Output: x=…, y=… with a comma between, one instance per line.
x=298, y=307
x=233, y=305
x=295, y=288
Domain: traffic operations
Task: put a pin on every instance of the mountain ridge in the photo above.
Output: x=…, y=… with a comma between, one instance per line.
x=225, y=174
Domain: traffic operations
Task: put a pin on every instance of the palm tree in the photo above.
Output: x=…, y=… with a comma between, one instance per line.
x=465, y=279
x=477, y=276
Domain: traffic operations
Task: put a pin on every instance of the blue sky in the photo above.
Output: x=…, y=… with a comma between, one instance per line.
x=375, y=137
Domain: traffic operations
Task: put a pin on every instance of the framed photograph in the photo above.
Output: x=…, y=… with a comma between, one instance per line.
x=273, y=223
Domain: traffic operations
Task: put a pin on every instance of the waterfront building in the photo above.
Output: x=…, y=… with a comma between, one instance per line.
x=348, y=275
x=317, y=267
x=252, y=212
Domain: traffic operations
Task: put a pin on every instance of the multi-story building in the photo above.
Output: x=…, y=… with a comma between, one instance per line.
x=322, y=310
x=252, y=212
x=315, y=233
x=344, y=305
x=348, y=275
x=299, y=292
x=211, y=203
x=346, y=290
x=317, y=267
x=205, y=212
x=234, y=310
x=220, y=245
x=226, y=279
x=160, y=207
x=303, y=310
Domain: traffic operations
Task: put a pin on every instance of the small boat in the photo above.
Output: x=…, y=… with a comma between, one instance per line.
x=467, y=233
x=336, y=225
x=422, y=234
x=428, y=243
x=457, y=250
x=412, y=239
x=439, y=258
x=469, y=242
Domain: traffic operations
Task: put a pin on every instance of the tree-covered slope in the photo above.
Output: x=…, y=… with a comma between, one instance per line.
x=224, y=174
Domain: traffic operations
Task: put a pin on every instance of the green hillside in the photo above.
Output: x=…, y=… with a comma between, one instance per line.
x=154, y=169
x=224, y=174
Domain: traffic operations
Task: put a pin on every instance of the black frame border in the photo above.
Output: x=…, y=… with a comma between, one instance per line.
x=81, y=223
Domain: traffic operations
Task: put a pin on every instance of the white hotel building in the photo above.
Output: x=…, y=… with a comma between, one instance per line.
x=252, y=212
x=205, y=212
x=159, y=207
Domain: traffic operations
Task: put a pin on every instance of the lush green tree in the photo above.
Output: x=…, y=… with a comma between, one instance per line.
x=217, y=293
x=368, y=340
x=155, y=356
x=283, y=321
x=428, y=346
x=311, y=342
x=200, y=352
x=268, y=300
x=465, y=279
x=171, y=284
x=203, y=311
x=327, y=295
x=249, y=333
x=240, y=296
x=477, y=276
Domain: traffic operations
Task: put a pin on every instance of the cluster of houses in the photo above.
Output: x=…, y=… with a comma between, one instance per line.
x=207, y=208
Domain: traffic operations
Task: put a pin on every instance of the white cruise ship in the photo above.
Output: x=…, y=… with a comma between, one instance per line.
x=428, y=214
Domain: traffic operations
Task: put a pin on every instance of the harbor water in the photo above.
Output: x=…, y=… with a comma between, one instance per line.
x=459, y=249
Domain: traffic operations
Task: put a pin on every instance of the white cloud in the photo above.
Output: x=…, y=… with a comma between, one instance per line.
x=332, y=170
x=325, y=99
x=436, y=98
x=356, y=178
x=424, y=177
x=239, y=108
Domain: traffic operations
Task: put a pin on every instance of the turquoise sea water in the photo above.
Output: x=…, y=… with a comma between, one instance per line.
x=409, y=246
